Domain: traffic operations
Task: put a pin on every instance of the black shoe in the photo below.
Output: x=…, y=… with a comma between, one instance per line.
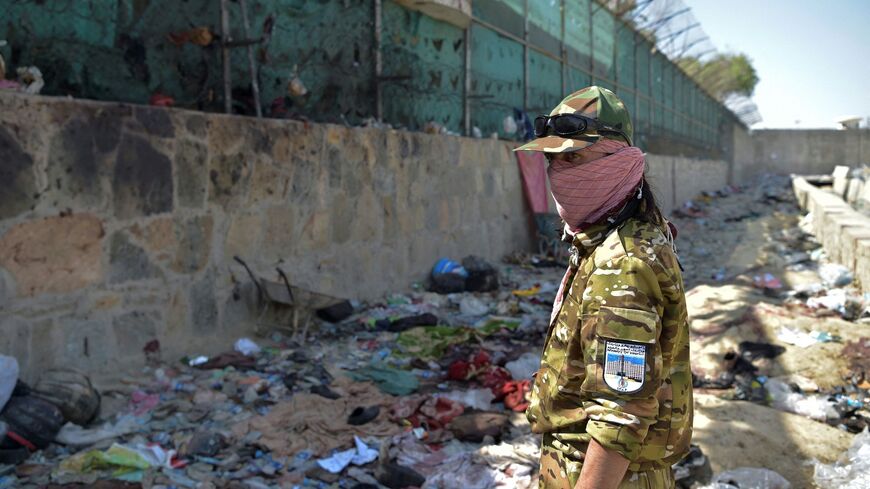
x=362, y=415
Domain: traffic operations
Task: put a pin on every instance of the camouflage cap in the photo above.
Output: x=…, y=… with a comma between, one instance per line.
x=593, y=102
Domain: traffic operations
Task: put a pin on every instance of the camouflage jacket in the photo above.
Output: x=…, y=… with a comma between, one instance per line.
x=615, y=365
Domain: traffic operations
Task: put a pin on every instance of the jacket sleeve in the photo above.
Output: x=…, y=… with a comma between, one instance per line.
x=622, y=327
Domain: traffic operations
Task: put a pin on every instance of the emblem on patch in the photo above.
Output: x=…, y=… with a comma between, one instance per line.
x=624, y=366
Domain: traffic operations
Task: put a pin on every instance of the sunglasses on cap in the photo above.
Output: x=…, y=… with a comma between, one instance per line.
x=571, y=124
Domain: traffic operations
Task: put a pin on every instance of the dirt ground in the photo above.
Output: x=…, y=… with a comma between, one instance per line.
x=727, y=309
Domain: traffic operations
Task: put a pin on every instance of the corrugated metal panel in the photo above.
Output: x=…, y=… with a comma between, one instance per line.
x=625, y=55
x=603, y=36
x=545, y=84
x=496, y=79
x=545, y=24
x=578, y=33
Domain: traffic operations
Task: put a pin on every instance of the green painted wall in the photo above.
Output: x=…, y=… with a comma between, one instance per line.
x=118, y=50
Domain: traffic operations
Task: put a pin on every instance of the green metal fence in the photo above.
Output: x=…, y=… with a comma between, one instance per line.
x=363, y=58
x=574, y=43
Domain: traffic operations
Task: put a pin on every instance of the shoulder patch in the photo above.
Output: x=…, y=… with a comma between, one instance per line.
x=624, y=366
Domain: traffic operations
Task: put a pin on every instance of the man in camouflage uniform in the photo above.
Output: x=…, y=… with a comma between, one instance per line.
x=613, y=396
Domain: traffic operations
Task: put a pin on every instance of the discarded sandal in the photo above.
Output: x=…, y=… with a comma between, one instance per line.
x=361, y=415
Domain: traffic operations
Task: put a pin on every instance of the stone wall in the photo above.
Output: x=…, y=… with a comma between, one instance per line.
x=119, y=223
x=802, y=152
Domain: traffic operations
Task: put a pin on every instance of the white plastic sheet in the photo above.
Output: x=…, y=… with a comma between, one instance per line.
x=480, y=399
x=8, y=378
x=523, y=367
x=752, y=478
x=853, y=472
x=812, y=406
x=360, y=455
x=247, y=347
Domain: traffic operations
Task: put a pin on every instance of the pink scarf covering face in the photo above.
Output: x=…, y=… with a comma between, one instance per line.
x=586, y=193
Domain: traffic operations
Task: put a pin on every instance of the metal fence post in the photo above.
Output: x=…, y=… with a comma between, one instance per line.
x=525, y=55
x=379, y=98
x=466, y=89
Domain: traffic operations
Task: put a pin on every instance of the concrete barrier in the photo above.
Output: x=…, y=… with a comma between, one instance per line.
x=843, y=232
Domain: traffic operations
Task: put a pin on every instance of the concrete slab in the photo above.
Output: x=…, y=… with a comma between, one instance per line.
x=841, y=179
x=856, y=186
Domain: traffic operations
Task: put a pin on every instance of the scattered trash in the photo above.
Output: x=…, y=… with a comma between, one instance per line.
x=853, y=469
x=336, y=312
x=751, y=478
x=524, y=366
x=31, y=422
x=509, y=125
x=797, y=338
x=472, y=306
x=74, y=435
x=427, y=389
x=158, y=99
x=835, y=275
x=479, y=399
x=693, y=469
x=783, y=397
x=360, y=455
x=482, y=276
x=31, y=80
x=767, y=281
x=246, y=346
x=389, y=380
x=295, y=87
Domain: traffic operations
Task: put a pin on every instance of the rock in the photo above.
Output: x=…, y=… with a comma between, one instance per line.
x=475, y=426
x=191, y=158
x=17, y=183
x=129, y=262
x=142, y=183
x=155, y=121
x=55, y=254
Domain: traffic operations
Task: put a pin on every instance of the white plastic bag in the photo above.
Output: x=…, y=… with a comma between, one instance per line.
x=523, y=367
x=247, y=347
x=8, y=378
x=474, y=398
x=812, y=406
x=835, y=275
x=752, y=478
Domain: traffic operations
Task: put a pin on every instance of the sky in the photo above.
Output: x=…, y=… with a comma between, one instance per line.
x=812, y=57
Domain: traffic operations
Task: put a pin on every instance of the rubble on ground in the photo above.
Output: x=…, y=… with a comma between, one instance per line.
x=427, y=389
